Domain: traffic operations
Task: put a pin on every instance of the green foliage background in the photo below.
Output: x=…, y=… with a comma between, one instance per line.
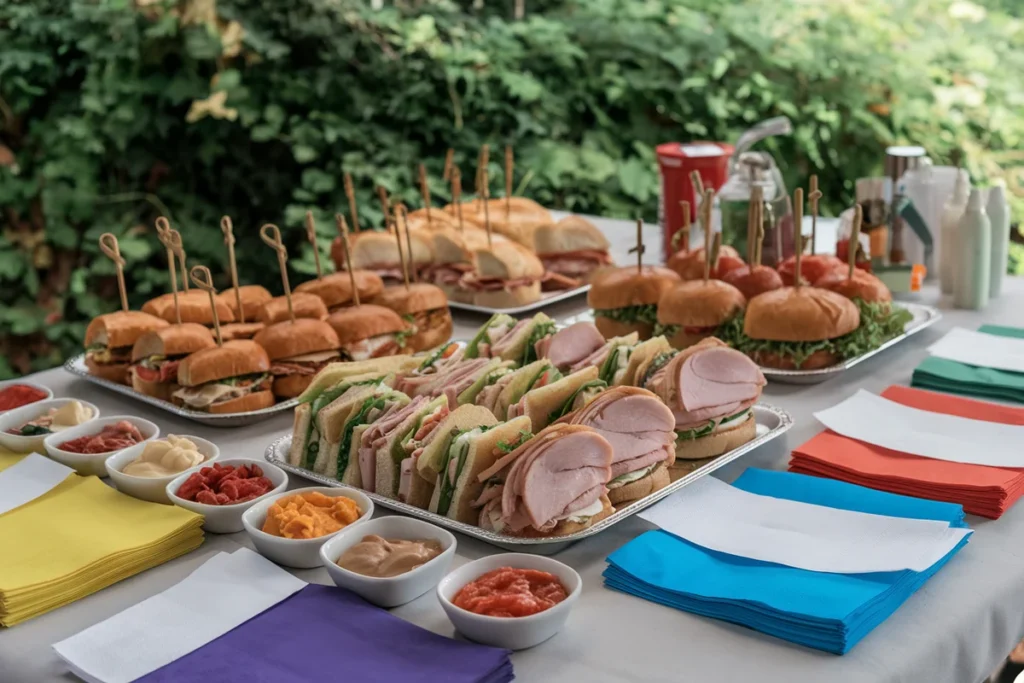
x=113, y=112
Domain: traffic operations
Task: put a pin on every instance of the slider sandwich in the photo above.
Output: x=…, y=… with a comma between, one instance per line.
x=453, y=259
x=299, y=350
x=695, y=309
x=861, y=286
x=438, y=219
x=425, y=308
x=710, y=389
x=515, y=218
x=157, y=354
x=553, y=484
x=507, y=275
x=753, y=280
x=253, y=299
x=570, y=345
x=504, y=337
x=543, y=405
x=335, y=290
x=368, y=331
x=304, y=305
x=109, y=340
x=194, y=306
x=240, y=330
x=509, y=388
x=690, y=264
x=641, y=431
x=572, y=250
x=421, y=471
x=233, y=378
x=377, y=251
x=813, y=267
x=625, y=300
x=461, y=455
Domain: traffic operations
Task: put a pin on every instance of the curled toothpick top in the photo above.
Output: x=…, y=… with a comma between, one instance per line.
x=171, y=239
x=854, y=245
x=311, y=236
x=110, y=247
x=271, y=236
x=813, y=198
x=339, y=221
x=228, y=228
x=350, y=194
x=203, y=280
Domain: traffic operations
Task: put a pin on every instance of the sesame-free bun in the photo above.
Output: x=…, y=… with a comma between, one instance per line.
x=121, y=329
x=253, y=298
x=813, y=267
x=173, y=340
x=572, y=233
x=373, y=249
x=240, y=330
x=452, y=246
x=614, y=328
x=690, y=264
x=356, y=323
x=862, y=285
x=305, y=335
x=334, y=290
x=507, y=261
x=800, y=314
x=625, y=286
x=112, y=372
x=510, y=297
x=655, y=480
x=515, y=218
x=696, y=303
x=290, y=386
x=160, y=390
x=755, y=280
x=238, y=357
x=419, y=297
x=194, y=306
x=244, y=404
x=714, y=444
x=430, y=337
x=306, y=305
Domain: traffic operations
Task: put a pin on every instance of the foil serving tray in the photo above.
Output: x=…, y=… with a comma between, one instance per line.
x=772, y=423
x=76, y=366
x=546, y=299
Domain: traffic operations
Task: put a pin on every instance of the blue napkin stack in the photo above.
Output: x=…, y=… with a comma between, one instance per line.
x=830, y=612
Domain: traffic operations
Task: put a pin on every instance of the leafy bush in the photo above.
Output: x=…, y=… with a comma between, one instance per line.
x=112, y=114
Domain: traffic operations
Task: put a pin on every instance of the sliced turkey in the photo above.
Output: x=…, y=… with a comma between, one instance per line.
x=570, y=345
x=502, y=344
x=376, y=436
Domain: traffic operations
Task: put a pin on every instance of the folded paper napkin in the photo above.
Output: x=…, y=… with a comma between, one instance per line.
x=241, y=618
x=80, y=537
x=826, y=611
x=981, y=489
x=956, y=377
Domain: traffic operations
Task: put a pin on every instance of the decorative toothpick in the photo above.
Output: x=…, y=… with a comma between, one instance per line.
x=170, y=238
x=425, y=192
x=485, y=188
x=760, y=235
x=385, y=204
x=110, y=247
x=705, y=220
x=683, y=235
x=401, y=255
x=639, y=244
x=756, y=211
x=311, y=236
x=509, y=168
x=449, y=162
x=813, y=197
x=456, y=178
x=353, y=210
x=854, y=245
x=203, y=280
x=401, y=211
x=698, y=187
x=271, y=236
x=798, y=235
x=716, y=249
x=228, y=229
x=339, y=220
x=481, y=169
x=179, y=251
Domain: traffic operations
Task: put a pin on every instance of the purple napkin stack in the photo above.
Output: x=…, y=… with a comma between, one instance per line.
x=325, y=633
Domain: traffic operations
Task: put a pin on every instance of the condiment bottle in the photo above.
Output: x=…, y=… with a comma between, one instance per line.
x=951, y=214
x=974, y=254
x=999, y=216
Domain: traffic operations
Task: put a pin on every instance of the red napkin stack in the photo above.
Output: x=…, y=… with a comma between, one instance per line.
x=982, y=490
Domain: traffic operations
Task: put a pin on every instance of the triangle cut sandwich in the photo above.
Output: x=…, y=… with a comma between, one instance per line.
x=421, y=472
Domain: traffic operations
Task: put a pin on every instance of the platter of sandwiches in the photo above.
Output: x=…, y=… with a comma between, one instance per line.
x=530, y=434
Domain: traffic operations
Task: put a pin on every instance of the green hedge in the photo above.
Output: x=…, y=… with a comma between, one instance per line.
x=112, y=113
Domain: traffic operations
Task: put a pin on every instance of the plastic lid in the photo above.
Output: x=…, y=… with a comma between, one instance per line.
x=694, y=150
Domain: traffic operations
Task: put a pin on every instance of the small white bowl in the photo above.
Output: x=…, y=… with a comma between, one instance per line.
x=227, y=519
x=93, y=463
x=300, y=553
x=514, y=633
x=395, y=590
x=19, y=416
x=153, y=489
x=34, y=385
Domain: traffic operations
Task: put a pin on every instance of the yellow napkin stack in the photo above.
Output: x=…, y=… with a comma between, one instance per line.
x=79, y=538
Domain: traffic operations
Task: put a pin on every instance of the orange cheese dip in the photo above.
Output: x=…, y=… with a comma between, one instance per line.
x=310, y=515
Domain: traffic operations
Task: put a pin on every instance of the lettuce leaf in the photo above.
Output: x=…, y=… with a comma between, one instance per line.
x=647, y=313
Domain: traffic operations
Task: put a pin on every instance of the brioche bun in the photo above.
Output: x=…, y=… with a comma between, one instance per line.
x=696, y=303
x=572, y=233
x=862, y=285
x=112, y=372
x=813, y=267
x=238, y=357
x=240, y=330
x=193, y=305
x=363, y=322
x=173, y=340
x=614, y=328
x=121, y=329
x=160, y=390
x=334, y=290
x=625, y=286
x=253, y=298
x=689, y=265
x=257, y=400
x=305, y=305
x=288, y=339
x=419, y=297
x=800, y=314
x=753, y=281
x=290, y=386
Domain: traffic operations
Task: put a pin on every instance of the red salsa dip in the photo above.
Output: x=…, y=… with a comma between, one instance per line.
x=509, y=592
x=18, y=395
x=225, y=485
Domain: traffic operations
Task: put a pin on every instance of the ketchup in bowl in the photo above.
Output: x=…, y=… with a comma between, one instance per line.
x=510, y=592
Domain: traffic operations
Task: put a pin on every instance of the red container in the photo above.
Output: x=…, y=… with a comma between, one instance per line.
x=676, y=161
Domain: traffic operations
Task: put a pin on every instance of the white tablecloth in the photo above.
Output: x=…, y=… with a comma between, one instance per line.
x=954, y=630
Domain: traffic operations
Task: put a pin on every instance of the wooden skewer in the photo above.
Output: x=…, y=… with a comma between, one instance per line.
x=481, y=169
x=485, y=188
x=456, y=177
x=798, y=236
x=698, y=190
x=814, y=196
x=509, y=167
x=385, y=204
x=687, y=224
x=271, y=236
x=760, y=235
x=751, y=217
x=716, y=248
x=757, y=200
x=353, y=210
x=854, y=245
x=401, y=210
x=179, y=251
x=311, y=236
x=449, y=162
x=163, y=232
x=203, y=280
x=705, y=218
x=639, y=244
x=401, y=256
x=778, y=232
x=425, y=192
x=339, y=220
x=228, y=229
x=110, y=247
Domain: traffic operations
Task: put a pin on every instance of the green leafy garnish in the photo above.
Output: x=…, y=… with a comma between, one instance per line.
x=95, y=347
x=434, y=357
x=540, y=331
x=567, y=406
x=707, y=428
x=647, y=314
x=255, y=378
x=402, y=335
x=660, y=361
x=508, y=447
x=346, y=440
x=35, y=430
x=664, y=330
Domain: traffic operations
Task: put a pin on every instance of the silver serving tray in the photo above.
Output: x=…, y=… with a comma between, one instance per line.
x=546, y=299
x=76, y=366
x=924, y=316
x=772, y=422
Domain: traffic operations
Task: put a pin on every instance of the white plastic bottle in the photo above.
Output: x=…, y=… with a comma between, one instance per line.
x=951, y=214
x=999, y=216
x=974, y=255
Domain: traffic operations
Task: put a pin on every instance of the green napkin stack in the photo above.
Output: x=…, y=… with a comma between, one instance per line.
x=956, y=378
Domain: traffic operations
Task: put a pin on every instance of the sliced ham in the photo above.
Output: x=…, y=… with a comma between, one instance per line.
x=597, y=359
x=639, y=427
x=376, y=436
x=570, y=345
x=584, y=255
x=474, y=282
x=488, y=398
x=554, y=281
x=708, y=383
x=502, y=345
